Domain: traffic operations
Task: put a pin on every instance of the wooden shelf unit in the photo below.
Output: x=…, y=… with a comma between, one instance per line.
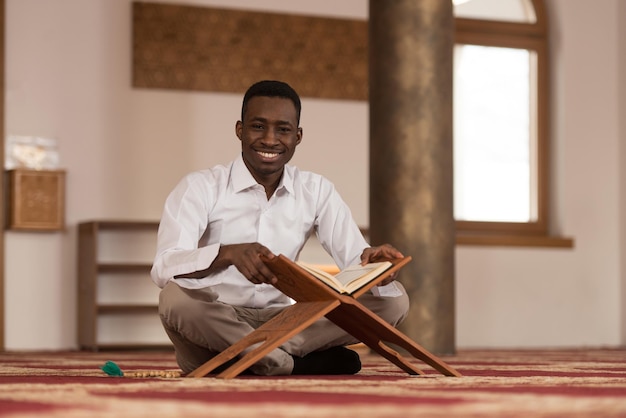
x=90, y=267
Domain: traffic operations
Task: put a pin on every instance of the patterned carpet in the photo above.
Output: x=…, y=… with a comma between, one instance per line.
x=564, y=383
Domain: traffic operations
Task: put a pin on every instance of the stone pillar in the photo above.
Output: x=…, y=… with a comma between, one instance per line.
x=411, y=196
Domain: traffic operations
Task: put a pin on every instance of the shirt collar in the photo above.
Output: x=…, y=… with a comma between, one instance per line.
x=242, y=179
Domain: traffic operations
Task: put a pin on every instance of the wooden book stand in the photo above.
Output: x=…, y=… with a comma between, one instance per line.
x=314, y=300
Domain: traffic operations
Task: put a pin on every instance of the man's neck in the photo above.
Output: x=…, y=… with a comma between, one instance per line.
x=270, y=183
x=271, y=186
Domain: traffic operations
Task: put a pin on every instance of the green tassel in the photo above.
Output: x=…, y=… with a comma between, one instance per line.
x=112, y=369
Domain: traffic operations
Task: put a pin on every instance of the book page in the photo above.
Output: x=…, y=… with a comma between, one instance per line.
x=327, y=278
x=350, y=278
x=361, y=273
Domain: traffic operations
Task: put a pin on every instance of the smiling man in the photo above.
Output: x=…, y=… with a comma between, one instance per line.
x=216, y=224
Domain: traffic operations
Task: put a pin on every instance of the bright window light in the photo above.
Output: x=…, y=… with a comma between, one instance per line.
x=494, y=151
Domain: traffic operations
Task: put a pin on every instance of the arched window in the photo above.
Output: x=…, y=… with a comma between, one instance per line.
x=501, y=130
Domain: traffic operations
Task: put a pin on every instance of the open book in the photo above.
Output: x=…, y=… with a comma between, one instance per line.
x=351, y=278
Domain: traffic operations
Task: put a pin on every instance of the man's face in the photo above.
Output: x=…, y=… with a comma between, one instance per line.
x=269, y=135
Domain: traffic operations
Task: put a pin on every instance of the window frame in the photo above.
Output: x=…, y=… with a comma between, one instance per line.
x=533, y=37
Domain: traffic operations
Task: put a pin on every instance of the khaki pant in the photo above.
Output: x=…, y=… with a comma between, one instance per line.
x=200, y=328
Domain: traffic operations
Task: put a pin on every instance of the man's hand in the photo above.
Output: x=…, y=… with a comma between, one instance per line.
x=247, y=259
x=381, y=253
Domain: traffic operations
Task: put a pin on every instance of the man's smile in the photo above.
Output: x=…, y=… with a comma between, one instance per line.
x=268, y=155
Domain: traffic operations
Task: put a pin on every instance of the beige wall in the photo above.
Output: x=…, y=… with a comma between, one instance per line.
x=68, y=76
x=622, y=153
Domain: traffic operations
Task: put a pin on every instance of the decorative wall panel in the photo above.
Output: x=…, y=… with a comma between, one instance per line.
x=36, y=200
x=224, y=50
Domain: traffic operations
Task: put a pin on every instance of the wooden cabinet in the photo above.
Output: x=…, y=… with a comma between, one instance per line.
x=117, y=301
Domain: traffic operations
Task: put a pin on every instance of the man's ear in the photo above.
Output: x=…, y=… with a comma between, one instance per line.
x=299, y=135
x=239, y=129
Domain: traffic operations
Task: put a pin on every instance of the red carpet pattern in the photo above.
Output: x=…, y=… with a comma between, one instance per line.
x=504, y=383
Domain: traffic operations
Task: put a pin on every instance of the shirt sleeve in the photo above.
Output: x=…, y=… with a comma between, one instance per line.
x=184, y=220
x=336, y=229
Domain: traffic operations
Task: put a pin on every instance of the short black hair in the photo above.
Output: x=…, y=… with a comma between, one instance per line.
x=272, y=88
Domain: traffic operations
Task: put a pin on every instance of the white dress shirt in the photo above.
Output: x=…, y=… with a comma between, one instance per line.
x=225, y=205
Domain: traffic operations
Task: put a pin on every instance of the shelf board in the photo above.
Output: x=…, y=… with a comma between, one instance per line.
x=129, y=347
x=121, y=309
x=125, y=225
x=124, y=267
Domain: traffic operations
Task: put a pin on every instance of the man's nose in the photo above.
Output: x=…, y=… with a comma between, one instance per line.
x=271, y=135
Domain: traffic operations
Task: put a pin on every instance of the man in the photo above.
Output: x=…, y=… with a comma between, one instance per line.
x=217, y=223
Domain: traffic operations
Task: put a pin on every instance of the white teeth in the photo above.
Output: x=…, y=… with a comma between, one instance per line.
x=268, y=154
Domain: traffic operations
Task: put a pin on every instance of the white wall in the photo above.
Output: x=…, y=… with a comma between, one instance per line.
x=562, y=297
x=68, y=76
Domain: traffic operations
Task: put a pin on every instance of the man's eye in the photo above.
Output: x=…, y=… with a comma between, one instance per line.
x=284, y=130
x=256, y=126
